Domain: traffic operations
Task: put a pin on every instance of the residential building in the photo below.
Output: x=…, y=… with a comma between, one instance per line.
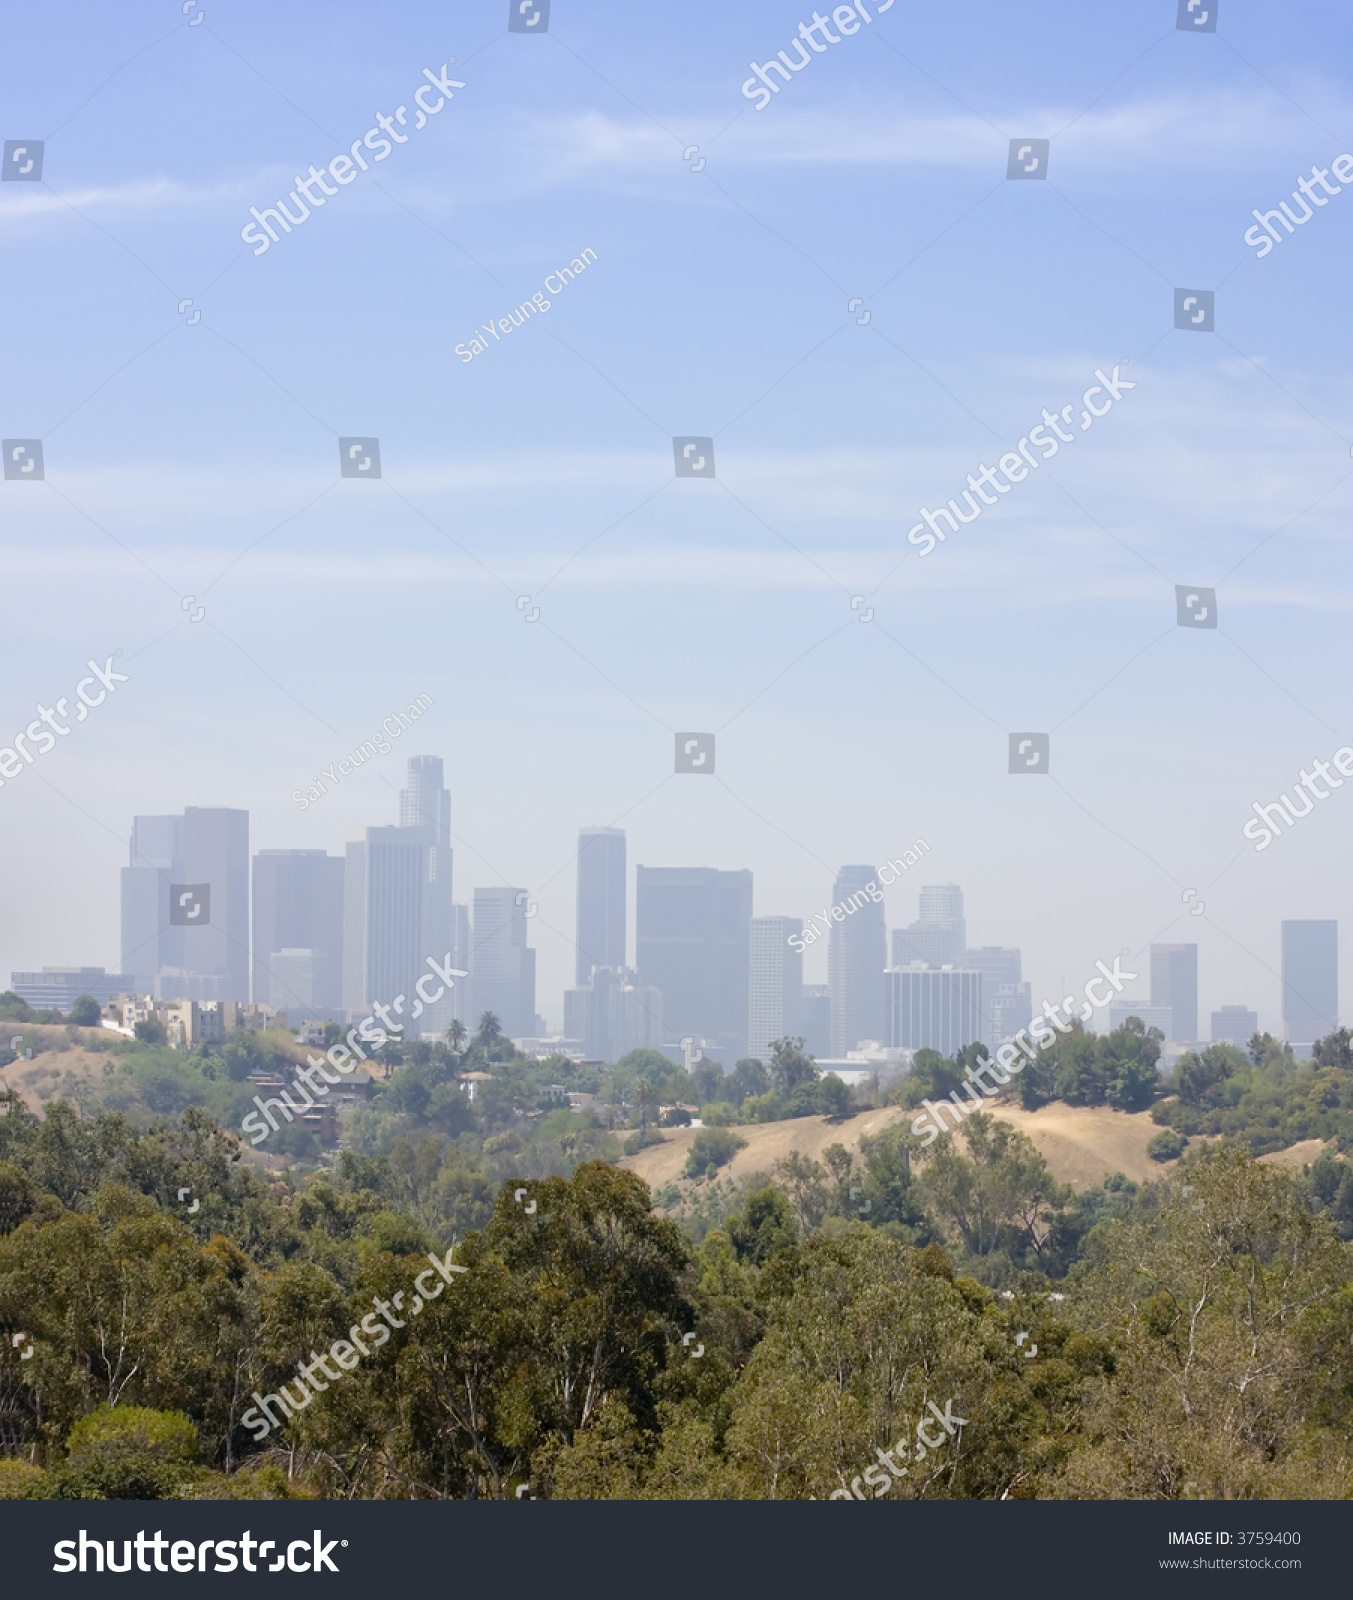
x=1234, y=1025
x=1310, y=980
x=856, y=958
x=298, y=930
x=693, y=938
x=1174, y=983
x=775, y=983
x=601, y=901
x=934, y=1009
x=504, y=966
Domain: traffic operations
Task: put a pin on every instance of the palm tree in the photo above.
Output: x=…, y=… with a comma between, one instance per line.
x=456, y=1035
x=490, y=1029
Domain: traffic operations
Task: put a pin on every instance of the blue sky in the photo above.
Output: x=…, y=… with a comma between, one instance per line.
x=202, y=460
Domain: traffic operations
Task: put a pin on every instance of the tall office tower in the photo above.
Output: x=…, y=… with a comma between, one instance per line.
x=1310, y=980
x=1174, y=983
x=504, y=967
x=216, y=853
x=692, y=937
x=925, y=943
x=426, y=802
x=775, y=984
x=942, y=904
x=149, y=941
x=934, y=1010
x=815, y=1020
x=383, y=915
x=198, y=946
x=1234, y=1025
x=298, y=910
x=856, y=958
x=601, y=901
x=939, y=936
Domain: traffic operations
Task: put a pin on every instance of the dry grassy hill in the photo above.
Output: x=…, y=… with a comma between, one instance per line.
x=1081, y=1144
x=60, y=1060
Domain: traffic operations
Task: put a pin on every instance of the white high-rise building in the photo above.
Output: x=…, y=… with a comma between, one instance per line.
x=775, y=987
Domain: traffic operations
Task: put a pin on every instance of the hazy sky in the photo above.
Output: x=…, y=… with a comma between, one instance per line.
x=202, y=460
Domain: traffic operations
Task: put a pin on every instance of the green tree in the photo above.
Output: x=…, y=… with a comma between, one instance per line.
x=86, y=1012
x=789, y=1066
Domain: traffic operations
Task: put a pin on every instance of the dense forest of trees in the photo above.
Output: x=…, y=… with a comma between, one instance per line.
x=959, y=1315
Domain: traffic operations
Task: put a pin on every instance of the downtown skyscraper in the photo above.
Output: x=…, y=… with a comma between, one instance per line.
x=600, y=902
x=185, y=905
x=856, y=958
x=397, y=906
x=692, y=937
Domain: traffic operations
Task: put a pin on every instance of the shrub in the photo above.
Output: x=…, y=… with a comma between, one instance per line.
x=20, y=1480
x=1167, y=1146
x=127, y=1453
x=720, y=1114
x=711, y=1149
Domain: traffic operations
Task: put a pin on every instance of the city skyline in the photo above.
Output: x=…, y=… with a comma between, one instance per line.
x=296, y=893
